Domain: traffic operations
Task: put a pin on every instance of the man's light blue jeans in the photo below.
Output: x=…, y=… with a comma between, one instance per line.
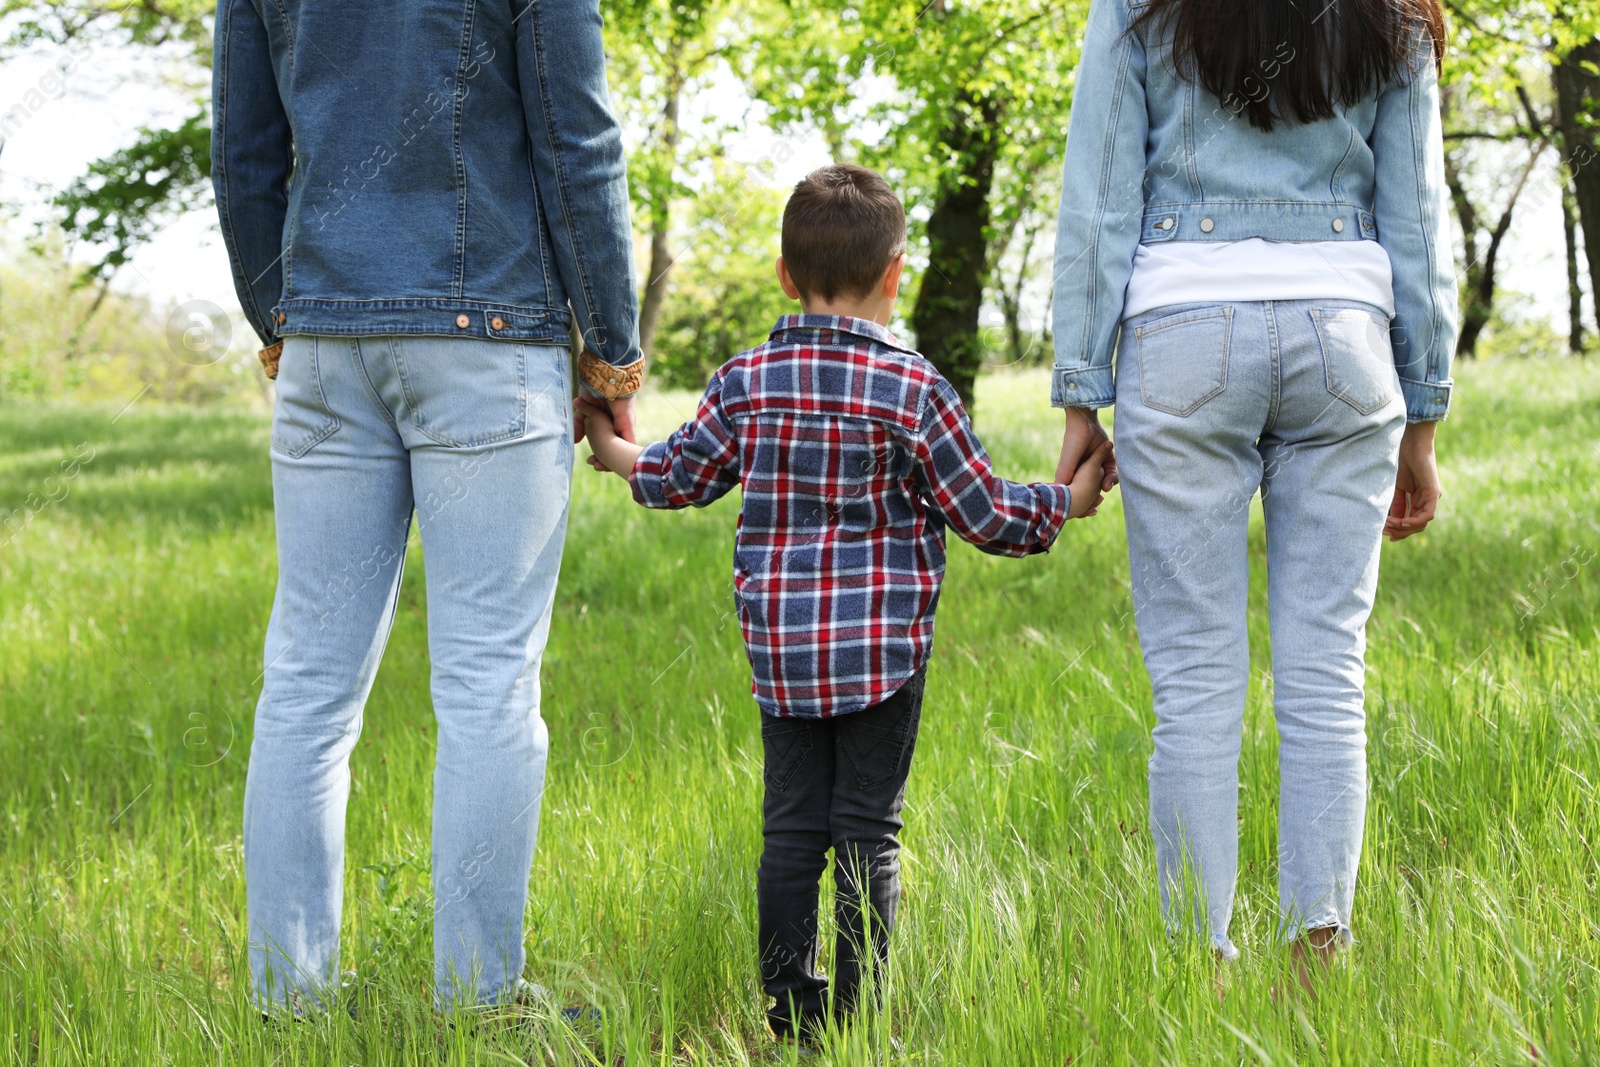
x=1300, y=400
x=474, y=436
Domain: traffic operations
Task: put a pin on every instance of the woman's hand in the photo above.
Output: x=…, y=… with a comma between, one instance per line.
x=1086, y=484
x=1416, y=485
x=1083, y=435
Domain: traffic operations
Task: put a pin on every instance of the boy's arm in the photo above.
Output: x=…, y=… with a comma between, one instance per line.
x=612, y=452
x=694, y=466
x=1001, y=517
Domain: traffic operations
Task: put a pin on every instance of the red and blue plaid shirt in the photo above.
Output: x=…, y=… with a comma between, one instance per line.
x=854, y=453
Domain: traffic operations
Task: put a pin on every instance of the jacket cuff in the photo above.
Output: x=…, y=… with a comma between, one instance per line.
x=612, y=381
x=1426, y=401
x=1082, y=387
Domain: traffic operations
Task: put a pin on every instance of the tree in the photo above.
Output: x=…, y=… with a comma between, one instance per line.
x=724, y=295
x=125, y=198
x=1483, y=233
x=660, y=52
x=954, y=100
x=1577, y=83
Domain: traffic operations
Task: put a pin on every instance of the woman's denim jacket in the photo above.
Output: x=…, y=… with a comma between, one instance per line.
x=1153, y=157
x=423, y=167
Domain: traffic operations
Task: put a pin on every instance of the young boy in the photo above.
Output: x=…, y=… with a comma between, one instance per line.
x=854, y=454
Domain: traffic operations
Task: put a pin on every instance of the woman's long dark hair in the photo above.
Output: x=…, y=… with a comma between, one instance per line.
x=1293, y=60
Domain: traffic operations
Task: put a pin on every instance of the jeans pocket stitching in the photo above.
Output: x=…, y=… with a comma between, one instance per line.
x=897, y=738
x=328, y=428
x=1187, y=318
x=519, y=424
x=1339, y=392
x=796, y=755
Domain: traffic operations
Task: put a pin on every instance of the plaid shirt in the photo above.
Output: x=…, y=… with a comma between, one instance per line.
x=854, y=454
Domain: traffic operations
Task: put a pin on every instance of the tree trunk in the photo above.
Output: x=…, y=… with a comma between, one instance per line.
x=1477, y=304
x=1569, y=226
x=1578, y=99
x=945, y=316
x=661, y=258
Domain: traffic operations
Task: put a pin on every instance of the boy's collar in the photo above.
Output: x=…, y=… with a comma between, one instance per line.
x=843, y=324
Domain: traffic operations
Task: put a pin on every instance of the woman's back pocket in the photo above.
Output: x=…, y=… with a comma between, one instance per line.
x=1183, y=358
x=1356, y=355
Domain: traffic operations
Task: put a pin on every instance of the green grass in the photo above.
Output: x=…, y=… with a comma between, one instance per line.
x=132, y=610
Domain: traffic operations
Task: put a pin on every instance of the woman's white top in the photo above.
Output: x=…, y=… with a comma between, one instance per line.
x=1206, y=272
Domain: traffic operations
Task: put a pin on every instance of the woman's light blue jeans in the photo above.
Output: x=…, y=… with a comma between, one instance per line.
x=474, y=436
x=1300, y=400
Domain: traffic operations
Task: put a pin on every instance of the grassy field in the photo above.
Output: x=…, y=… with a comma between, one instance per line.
x=133, y=600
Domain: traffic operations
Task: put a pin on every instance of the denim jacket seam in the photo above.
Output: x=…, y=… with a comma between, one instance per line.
x=541, y=224
x=459, y=89
x=423, y=303
x=1153, y=207
x=562, y=181
x=1107, y=159
x=1191, y=148
x=1338, y=172
x=224, y=200
x=1413, y=105
x=288, y=33
x=292, y=222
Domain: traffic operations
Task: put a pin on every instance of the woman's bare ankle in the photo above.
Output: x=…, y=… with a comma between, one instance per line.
x=1317, y=947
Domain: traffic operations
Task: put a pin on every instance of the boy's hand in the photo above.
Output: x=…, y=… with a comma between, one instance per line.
x=1087, y=481
x=609, y=451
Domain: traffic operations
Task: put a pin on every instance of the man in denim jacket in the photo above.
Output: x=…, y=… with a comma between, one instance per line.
x=418, y=200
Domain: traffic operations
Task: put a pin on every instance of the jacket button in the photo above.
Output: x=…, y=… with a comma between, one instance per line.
x=282, y=318
x=463, y=322
x=1166, y=224
x=1338, y=225
x=1206, y=225
x=497, y=323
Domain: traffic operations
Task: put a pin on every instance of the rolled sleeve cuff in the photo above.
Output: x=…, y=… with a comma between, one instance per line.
x=1426, y=401
x=649, y=487
x=1059, y=500
x=1082, y=387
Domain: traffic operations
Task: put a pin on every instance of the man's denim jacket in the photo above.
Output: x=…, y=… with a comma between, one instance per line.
x=1153, y=157
x=423, y=167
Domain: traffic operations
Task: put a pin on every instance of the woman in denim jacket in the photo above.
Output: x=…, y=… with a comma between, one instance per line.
x=1254, y=202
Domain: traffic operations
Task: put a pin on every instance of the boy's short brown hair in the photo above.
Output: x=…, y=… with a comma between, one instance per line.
x=842, y=227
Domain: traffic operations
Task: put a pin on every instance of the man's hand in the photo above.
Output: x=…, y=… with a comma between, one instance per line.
x=1083, y=435
x=1416, y=484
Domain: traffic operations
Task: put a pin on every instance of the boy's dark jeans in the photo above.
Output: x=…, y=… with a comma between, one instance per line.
x=831, y=783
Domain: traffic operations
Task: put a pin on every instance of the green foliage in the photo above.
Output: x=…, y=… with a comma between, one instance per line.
x=659, y=52
x=131, y=614
x=962, y=105
x=181, y=23
x=129, y=196
x=723, y=295
x=58, y=340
